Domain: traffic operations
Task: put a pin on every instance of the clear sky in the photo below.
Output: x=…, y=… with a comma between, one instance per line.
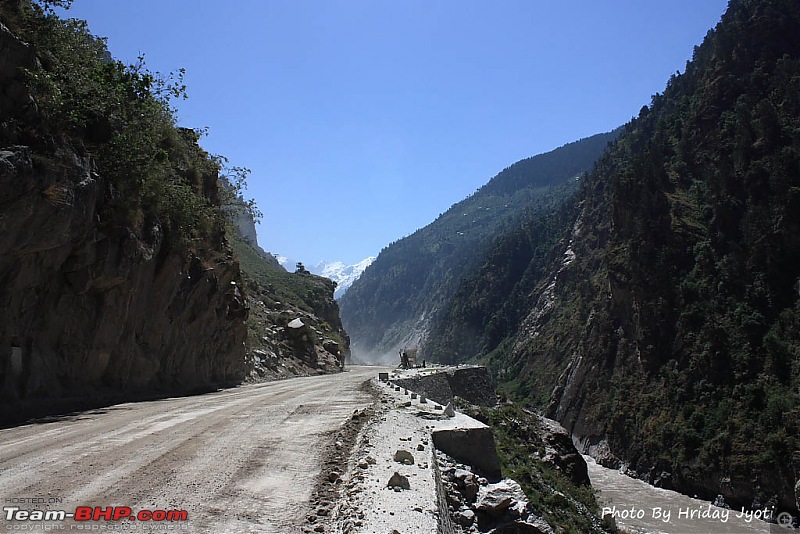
x=364, y=120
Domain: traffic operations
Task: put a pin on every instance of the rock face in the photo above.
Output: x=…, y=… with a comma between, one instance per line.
x=797, y=493
x=470, y=383
x=246, y=226
x=561, y=452
x=599, y=450
x=89, y=308
x=93, y=307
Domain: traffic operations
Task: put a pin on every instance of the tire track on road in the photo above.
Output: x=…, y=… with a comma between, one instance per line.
x=241, y=460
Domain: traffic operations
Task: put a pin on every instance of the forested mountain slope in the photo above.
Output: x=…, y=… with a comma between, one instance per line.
x=490, y=302
x=394, y=301
x=667, y=316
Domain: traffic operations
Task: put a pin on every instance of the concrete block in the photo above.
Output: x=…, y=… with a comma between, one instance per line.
x=472, y=446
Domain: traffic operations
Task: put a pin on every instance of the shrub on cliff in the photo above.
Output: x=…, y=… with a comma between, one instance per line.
x=122, y=117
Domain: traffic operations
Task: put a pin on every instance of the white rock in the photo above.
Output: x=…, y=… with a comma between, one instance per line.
x=495, y=499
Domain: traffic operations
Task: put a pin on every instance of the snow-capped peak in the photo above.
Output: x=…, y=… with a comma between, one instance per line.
x=343, y=275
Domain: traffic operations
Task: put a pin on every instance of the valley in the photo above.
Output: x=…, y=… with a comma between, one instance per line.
x=632, y=296
x=652, y=309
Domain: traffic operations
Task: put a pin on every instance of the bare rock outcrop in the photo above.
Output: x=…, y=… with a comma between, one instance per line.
x=476, y=505
x=560, y=451
x=92, y=309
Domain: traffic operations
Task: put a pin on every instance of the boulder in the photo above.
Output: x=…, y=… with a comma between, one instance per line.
x=465, y=518
x=403, y=457
x=398, y=481
x=331, y=346
x=467, y=484
x=495, y=499
x=560, y=451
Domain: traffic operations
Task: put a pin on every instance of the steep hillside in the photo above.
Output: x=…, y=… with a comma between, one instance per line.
x=668, y=319
x=115, y=275
x=489, y=304
x=392, y=304
x=277, y=299
x=243, y=223
x=294, y=326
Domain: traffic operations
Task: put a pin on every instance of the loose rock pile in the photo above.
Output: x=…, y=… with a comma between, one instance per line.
x=479, y=506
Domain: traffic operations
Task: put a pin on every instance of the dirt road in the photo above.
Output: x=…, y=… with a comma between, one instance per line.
x=239, y=460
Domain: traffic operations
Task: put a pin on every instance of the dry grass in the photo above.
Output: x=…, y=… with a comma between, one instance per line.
x=58, y=195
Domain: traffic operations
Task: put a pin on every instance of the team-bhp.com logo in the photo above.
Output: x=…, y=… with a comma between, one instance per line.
x=97, y=513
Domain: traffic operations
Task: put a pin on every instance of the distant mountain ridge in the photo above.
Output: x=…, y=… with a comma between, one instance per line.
x=393, y=303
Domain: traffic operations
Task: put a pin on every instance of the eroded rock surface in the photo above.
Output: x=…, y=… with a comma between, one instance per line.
x=90, y=308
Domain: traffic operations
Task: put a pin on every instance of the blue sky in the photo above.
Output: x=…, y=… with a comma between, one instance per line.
x=364, y=120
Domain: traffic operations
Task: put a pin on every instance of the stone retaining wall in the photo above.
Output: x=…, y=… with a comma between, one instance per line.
x=470, y=383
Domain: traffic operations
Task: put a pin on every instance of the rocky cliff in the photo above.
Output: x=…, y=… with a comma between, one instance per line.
x=89, y=307
x=243, y=222
x=115, y=276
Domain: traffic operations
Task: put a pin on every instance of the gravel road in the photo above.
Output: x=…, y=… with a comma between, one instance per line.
x=238, y=460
